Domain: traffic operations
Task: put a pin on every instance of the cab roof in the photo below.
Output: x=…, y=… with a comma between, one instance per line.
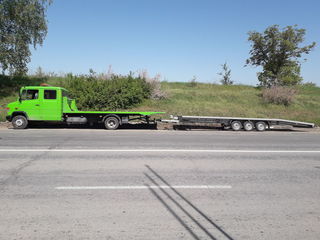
x=44, y=87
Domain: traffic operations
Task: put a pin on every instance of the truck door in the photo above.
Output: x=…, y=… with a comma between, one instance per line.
x=30, y=103
x=51, y=107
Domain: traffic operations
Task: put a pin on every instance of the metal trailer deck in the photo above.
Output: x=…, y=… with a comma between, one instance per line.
x=239, y=123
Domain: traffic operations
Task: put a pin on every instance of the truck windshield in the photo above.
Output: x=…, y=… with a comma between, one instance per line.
x=29, y=94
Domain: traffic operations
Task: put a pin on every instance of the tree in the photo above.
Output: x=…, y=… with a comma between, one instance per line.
x=278, y=52
x=225, y=74
x=39, y=72
x=22, y=23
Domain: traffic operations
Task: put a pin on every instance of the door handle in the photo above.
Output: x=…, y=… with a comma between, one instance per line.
x=37, y=104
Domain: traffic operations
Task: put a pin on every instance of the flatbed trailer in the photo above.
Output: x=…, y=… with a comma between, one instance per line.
x=238, y=123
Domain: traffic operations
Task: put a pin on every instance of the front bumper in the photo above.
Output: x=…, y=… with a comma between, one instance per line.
x=9, y=118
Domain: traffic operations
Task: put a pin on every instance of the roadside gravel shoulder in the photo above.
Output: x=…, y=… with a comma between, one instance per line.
x=5, y=125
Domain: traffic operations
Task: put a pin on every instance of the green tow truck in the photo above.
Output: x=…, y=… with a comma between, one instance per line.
x=53, y=104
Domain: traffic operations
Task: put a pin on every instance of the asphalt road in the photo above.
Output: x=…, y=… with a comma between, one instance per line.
x=144, y=184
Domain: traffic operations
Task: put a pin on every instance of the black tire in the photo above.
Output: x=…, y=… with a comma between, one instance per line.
x=248, y=126
x=261, y=126
x=236, y=125
x=111, y=123
x=19, y=122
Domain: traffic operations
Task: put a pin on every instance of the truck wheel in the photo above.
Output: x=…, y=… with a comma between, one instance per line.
x=248, y=126
x=236, y=125
x=111, y=123
x=261, y=126
x=19, y=122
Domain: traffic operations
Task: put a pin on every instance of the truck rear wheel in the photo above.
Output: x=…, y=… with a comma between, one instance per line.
x=261, y=126
x=19, y=122
x=111, y=123
x=248, y=126
x=236, y=126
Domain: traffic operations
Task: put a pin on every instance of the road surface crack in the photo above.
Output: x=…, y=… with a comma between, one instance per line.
x=14, y=174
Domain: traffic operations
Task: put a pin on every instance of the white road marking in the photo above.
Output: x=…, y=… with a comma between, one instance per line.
x=160, y=150
x=143, y=187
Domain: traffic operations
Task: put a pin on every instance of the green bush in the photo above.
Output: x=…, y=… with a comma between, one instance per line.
x=11, y=84
x=118, y=92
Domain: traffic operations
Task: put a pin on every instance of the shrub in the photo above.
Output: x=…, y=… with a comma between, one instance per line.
x=11, y=84
x=193, y=82
x=279, y=95
x=157, y=93
x=118, y=92
x=310, y=84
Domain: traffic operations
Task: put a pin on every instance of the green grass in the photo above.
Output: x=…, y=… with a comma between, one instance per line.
x=213, y=100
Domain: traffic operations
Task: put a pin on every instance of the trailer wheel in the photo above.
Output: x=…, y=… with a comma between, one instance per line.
x=236, y=125
x=19, y=122
x=261, y=126
x=111, y=123
x=248, y=126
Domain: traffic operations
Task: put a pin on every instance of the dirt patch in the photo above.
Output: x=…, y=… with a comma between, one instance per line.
x=313, y=130
x=5, y=125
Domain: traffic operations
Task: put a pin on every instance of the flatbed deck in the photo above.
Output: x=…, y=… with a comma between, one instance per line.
x=112, y=112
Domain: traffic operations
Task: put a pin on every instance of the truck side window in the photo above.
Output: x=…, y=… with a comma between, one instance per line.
x=50, y=94
x=29, y=94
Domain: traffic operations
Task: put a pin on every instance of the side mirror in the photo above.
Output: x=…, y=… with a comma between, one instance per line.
x=19, y=96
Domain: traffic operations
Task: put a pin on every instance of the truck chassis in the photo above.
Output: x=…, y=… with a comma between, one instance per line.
x=111, y=120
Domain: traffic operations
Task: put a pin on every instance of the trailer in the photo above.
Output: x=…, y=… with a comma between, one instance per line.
x=235, y=123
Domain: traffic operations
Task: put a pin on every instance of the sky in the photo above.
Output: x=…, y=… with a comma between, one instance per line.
x=177, y=39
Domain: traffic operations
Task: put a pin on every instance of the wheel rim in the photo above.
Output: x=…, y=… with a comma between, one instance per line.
x=236, y=126
x=261, y=127
x=248, y=126
x=19, y=122
x=111, y=124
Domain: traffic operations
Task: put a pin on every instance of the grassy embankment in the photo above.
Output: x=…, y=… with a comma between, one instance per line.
x=237, y=100
x=213, y=100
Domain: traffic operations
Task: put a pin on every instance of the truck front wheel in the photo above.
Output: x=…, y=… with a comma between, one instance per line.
x=19, y=122
x=111, y=123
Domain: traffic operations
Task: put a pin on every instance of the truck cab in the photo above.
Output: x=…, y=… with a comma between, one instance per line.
x=38, y=103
